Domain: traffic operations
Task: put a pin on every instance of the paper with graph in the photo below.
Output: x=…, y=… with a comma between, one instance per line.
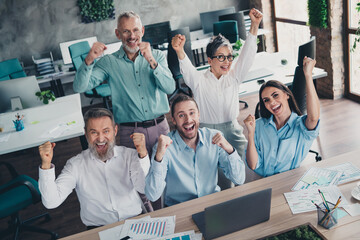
x=148, y=228
x=317, y=177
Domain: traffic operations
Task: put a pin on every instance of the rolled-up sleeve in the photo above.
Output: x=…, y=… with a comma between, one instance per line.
x=155, y=180
x=233, y=166
x=163, y=75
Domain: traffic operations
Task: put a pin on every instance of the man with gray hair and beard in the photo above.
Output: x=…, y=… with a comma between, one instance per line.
x=106, y=178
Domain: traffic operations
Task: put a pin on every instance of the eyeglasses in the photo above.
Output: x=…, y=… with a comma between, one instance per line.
x=222, y=58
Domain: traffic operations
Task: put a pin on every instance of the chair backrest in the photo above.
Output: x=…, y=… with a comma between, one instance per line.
x=172, y=58
x=239, y=18
x=78, y=52
x=298, y=88
x=10, y=69
x=228, y=29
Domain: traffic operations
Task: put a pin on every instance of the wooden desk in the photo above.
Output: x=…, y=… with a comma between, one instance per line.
x=281, y=217
x=41, y=119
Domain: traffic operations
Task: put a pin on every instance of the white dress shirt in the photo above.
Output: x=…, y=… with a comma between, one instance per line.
x=107, y=191
x=218, y=99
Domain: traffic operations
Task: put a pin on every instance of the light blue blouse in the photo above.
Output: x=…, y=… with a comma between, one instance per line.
x=284, y=149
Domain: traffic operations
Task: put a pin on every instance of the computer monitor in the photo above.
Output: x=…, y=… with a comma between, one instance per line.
x=64, y=48
x=208, y=18
x=156, y=34
x=308, y=49
x=24, y=88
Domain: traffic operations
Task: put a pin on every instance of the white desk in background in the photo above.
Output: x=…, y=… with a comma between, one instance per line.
x=57, y=80
x=57, y=121
x=282, y=73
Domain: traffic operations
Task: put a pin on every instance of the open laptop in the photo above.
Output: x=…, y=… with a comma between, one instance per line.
x=234, y=215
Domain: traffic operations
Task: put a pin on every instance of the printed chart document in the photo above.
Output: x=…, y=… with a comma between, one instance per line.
x=188, y=235
x=148, y=228
x=349, y=172
x=300, y=201
x=316, y=177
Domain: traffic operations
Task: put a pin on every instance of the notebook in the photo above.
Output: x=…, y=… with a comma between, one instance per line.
x=257, y=73
x=234, y=215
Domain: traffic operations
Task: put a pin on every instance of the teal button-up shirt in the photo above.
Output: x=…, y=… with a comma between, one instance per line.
x=138, y=92
x=186, y=174
x=284, y=149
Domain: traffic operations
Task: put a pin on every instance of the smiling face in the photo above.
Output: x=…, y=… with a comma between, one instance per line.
x=100, y=134
x=220, y=68
x=186, y=119
x=130, y=31
x=276, y=101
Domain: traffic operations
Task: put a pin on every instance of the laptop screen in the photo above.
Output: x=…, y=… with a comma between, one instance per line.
x=235, y=214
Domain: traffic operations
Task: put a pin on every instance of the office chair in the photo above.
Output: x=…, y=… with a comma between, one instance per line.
x=239, y=18
x=298, y=88
x=78, y=52
x=228, y=29
x=173, y=61
x=10, y=69
x=17, y=194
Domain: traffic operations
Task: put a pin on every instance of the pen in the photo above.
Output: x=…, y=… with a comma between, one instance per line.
x=324, y=200
x=338, y=202
x=315, y=204
x=125, y=238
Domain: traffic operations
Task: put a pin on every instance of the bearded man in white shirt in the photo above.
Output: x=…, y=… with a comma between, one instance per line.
x=106, y=178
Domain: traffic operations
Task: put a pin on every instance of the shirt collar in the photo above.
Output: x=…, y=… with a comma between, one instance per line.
x=292, y=118
x=183, y=145
x=210, y=75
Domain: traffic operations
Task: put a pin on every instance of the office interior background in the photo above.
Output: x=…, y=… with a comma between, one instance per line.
x=39, y=26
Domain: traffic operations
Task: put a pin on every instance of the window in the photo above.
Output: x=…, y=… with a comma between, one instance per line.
x=290, y=25
x=352, y=83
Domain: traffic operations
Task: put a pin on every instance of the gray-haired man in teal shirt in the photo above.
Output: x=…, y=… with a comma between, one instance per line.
x=139, y=80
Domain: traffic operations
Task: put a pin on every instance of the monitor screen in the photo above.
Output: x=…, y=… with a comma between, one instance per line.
x=24, y=88
x=64, y=48
x=208, y=18
x=156, y=34
x=308, y=49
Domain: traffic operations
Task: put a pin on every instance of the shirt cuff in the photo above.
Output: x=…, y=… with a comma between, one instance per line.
x=48, y=174
x=158, y=166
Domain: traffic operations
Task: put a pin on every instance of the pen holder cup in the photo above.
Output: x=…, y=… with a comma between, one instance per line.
x=327, y=219
x=19, y=125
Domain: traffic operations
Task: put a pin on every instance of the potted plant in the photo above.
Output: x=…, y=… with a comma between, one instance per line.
x=45, y=96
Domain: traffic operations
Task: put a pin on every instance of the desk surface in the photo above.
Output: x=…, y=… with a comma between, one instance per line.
x=40, y=120
x=281, y=217
x=282, y=73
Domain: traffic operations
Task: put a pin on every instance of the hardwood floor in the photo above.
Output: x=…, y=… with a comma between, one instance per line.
x=339, y=133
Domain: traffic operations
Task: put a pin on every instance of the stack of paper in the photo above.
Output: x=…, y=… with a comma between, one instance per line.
x=325, y=179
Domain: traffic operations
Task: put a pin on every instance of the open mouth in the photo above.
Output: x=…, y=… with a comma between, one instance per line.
x=224, y=68
x=189, y=128
x=132, y=42
x=276, y=108
x=101, y=145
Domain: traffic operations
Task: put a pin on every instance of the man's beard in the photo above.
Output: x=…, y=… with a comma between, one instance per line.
x=103, y=156
x=129, y=49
